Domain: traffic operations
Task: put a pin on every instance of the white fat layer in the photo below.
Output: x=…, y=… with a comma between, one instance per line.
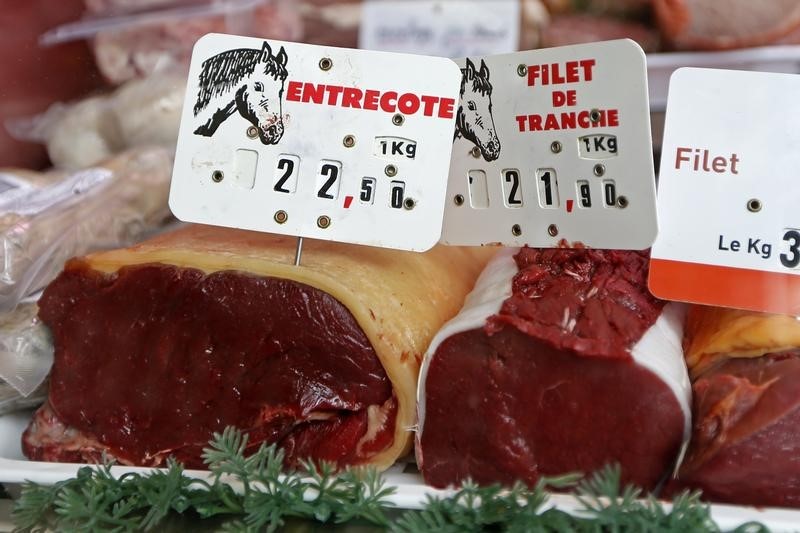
x=659, y=350
x=491, y=290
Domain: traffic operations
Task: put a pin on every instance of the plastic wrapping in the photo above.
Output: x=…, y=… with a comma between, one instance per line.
x=134, y=38
x=111, y=205
x=26, y=355
x=142, y=112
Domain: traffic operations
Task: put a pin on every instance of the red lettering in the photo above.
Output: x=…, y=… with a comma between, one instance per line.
x=572, y=72
x=533, y=73
x=562, y=98
x=583, y=119
x=371, y=100
x=293, y=91
x=408, y=103
x=333, y=94
x=679, y=157
x=572, y=97
x=601, y=121
x=557, y=77
x=521, y=119
x=313, y=93
x=535, y=122
x=385, y=101
x=446, y=107
x=351, y=98
x=557, y=73
x=550, y=122
x=568, y=121
x=613, y=117
x=588, y=65
x=429, y=102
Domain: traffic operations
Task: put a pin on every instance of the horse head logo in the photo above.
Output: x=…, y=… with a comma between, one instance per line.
x=246, y=80
x=474, y=121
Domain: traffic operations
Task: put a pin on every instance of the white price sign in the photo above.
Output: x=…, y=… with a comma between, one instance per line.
x=728, y=196
x=323, y=142
x=448, y=28
x=553, y=144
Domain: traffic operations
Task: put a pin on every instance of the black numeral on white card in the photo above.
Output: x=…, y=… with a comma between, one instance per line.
x=584, y=190
x=397, y=190
x=328, y=179
x=792, y=258
x=286, y=173
x=366, y=194
x=512, y=188
x=609, y=193
x=548, y=188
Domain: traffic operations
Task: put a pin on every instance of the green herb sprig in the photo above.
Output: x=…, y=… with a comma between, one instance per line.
x=96, y=500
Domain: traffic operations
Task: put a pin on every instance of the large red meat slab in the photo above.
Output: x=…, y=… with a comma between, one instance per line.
x=745, y=445
x=562, y=362
x=160, y=345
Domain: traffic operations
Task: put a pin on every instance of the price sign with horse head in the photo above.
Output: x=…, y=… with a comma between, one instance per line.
x=323, y=142
x=551, y=146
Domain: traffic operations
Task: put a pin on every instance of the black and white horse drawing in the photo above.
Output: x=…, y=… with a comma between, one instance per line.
x=247, y=80
x=474, y=121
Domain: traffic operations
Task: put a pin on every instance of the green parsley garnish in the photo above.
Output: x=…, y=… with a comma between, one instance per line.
x=266, y=498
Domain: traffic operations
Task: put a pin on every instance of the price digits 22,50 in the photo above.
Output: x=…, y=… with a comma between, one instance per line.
x=329, y=174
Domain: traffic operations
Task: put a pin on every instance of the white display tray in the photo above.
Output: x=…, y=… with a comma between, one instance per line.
x=410, y=493
x=764, y=59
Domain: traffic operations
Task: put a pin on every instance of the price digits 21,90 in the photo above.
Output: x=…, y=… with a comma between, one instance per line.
x=329, y=174
x=513, y=184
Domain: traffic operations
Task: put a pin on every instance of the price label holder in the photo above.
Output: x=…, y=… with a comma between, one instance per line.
x=553, y=144
x=311, y=141
x=728, y=192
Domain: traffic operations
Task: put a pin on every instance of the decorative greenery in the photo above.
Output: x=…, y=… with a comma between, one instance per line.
x=96, y=500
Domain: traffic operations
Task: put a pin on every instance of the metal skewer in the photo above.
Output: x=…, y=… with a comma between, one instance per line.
x=298, y=251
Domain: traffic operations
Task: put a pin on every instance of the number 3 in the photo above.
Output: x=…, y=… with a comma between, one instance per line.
x=791, y=261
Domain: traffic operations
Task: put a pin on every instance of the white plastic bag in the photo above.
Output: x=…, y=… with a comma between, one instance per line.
x=111, y=205
x=26, y=355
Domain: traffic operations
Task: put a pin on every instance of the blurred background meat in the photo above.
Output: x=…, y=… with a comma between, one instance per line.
x=35, y=77
x=585, y=28
x=716, y=25
x=83, y=48
x=139, y=47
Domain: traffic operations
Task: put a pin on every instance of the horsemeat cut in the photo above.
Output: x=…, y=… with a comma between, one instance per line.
x=564, y=362
x=715, y=25
x=746, y=432
x=160, y=345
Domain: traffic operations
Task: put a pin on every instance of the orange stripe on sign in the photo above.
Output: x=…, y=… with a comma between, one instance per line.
x=740, y=288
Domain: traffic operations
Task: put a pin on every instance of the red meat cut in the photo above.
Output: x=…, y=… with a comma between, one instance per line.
x=150, y=361
x=563, y=362
x=745, y=446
